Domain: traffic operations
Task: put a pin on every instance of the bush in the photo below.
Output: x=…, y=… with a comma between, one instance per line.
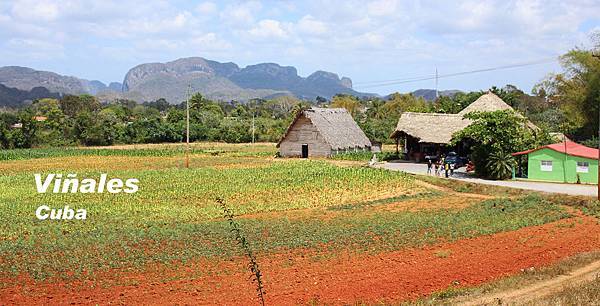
x=500, y=165
x=356, y=156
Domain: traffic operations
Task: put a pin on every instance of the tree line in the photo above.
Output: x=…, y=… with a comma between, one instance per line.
x=83, y=120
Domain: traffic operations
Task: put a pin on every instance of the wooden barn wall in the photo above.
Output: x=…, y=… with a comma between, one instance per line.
x=304, y=132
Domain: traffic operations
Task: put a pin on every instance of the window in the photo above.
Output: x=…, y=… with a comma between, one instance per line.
x=546, y=165
x=583, y=167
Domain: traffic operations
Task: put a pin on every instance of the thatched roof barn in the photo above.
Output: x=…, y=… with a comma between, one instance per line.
x=430, y=127
x=428, y=133
x=322, y=132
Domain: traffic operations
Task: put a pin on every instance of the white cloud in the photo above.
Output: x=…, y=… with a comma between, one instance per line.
x=4, y=18
x=206, y=8
x=269, y=29
x=44, y=10
x=240, y=14
x=309, y=25
x=382, y=7
x=33, y=49
x=209, y=42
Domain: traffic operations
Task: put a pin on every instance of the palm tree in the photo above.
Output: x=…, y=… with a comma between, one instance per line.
x=500, y=165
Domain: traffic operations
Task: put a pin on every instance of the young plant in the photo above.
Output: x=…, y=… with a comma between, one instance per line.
x=239, y=237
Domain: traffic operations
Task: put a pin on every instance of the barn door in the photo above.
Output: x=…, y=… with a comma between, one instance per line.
x=305, y=150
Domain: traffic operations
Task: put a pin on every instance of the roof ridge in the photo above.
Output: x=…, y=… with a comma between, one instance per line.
x=430, y=114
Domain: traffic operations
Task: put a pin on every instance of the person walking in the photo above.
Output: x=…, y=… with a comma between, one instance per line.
x=446, y=168
x=429, y=166
x=437, y=168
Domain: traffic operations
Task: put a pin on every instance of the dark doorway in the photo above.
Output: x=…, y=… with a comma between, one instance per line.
x=304, y=151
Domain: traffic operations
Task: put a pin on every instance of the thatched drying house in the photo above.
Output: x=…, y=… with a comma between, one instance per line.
x=322, y=132
x=422, y=134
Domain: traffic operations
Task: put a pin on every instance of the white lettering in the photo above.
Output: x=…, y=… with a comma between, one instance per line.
x=45, y=212
x=132, y=184
x=41, y=188
x=114, y=186
x=39, y=210
x=71, y=184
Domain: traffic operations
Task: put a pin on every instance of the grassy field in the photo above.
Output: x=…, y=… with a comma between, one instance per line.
x=283, y=206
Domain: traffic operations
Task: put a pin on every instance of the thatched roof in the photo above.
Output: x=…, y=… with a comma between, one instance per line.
x=438, y=128
x=488, y=102
x=430, y=127
x=336, y=126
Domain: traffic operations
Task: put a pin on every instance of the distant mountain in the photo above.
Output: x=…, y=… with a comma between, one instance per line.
x=429, y=94
x=215, y=80
x=14, y=97
x=115, y=86
x=227, y=81
x=24, y=78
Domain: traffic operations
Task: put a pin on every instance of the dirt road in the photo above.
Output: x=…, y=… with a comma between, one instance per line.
x=541, y=289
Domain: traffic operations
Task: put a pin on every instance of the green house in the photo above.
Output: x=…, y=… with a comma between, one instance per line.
x=567, y=162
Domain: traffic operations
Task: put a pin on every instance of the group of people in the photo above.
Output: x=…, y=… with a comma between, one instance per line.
x=440, y=166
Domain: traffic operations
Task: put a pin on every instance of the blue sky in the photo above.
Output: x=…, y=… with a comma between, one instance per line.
x=364, y=40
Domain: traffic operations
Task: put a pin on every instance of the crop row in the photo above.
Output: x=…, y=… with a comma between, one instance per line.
x=55, y=250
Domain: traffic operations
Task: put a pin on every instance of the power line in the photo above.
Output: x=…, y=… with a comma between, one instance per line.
x=431, y=77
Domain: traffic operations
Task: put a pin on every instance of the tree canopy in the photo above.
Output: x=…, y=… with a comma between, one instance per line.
x=494, y=136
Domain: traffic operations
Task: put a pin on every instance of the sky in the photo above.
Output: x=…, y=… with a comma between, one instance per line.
x=368, y=41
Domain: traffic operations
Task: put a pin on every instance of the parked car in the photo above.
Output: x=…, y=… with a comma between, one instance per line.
x=453, y=159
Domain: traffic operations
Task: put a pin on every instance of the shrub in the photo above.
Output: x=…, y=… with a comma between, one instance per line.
x=500, y=165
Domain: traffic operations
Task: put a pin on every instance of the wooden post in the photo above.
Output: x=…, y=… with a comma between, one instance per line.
x=565, y=161
x=187, y=130
x=597, y=55
x=397, y=144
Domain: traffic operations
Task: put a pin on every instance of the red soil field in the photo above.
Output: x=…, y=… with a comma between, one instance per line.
x=332, y=278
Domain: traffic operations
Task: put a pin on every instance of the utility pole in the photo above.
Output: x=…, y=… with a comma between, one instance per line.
x=597, y=56
x=253, y=127
x=437, y=95
x=566, y=157
x=187, y=130
x=253, y=119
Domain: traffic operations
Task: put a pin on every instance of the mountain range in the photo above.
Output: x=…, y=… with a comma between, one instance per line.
x=173, y=80
x=227, y=81
x=215, y=80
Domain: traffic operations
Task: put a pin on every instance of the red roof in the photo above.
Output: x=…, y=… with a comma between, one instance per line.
x=573, y=149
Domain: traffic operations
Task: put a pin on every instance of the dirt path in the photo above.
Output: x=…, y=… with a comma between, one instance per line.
x=541, y=289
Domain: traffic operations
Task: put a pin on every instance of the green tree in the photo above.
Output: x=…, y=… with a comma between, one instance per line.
x=197, y=101
x=72, y=105
x=455, y=103
x=25, y=137
x=494, y=136
x=350, y=103
x=576, y=91
x=399, y=103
